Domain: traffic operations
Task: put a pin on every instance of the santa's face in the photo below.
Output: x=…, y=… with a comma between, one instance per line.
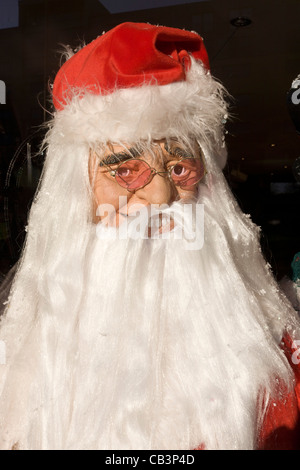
x=160, y=188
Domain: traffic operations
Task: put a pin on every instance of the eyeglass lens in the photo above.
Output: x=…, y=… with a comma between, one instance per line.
x=135, y=174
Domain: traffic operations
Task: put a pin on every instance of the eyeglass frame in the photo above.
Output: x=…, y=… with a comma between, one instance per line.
x=153, y=170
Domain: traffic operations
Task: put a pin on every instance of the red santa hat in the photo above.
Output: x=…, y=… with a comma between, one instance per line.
x=130, y=55
x=138, y=81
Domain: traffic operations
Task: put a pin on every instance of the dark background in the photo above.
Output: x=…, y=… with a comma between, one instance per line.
x=256, y=63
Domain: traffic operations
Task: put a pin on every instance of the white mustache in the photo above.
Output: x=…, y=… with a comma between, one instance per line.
x=179, y=221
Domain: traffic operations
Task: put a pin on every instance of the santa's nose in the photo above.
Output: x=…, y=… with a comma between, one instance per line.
x=160, y=190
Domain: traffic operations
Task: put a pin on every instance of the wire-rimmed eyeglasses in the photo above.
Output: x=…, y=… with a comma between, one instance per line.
x=135, y=173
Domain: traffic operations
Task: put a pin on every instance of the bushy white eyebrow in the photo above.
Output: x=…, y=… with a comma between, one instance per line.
x=119, y=157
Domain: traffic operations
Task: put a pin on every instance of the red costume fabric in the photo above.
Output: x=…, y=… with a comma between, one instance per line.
x=281, y=428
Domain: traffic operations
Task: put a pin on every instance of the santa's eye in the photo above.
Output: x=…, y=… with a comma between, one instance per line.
x=179, y=170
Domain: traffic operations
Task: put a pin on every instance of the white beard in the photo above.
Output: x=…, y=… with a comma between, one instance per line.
x=143, y=344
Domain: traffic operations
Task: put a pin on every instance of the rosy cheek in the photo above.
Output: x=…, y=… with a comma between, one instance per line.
x=107, y=195
x=109, y=198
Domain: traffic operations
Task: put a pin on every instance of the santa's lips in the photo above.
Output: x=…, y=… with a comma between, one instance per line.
x=128, y=216
x=155, y=223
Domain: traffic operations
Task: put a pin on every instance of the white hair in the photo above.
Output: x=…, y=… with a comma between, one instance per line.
x=176, y=371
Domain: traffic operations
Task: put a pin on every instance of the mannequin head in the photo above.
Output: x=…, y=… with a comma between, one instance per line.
x=165, y=172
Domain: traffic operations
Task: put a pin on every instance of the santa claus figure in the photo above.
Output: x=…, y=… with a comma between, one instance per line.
x=142, y=314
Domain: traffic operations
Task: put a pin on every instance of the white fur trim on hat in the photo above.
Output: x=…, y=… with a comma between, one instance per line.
x=195, y=107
